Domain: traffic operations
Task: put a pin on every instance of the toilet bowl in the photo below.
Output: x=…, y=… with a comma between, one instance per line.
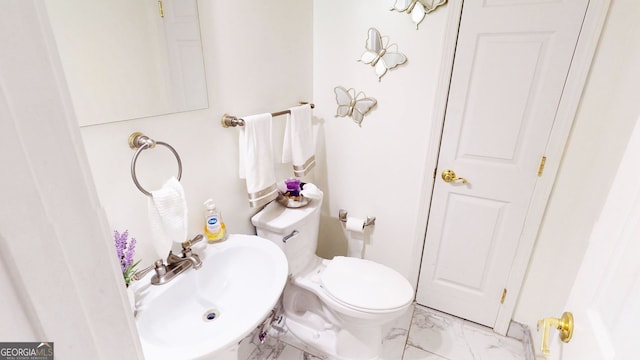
x=336, y=307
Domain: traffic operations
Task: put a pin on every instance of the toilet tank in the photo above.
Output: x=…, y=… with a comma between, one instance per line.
x=295, y=230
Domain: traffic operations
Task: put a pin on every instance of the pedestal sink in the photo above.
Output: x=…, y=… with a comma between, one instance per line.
x=204, y=313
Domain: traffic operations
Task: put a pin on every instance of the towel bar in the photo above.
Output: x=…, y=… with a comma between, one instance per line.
x=233, y=121
x=139, y=141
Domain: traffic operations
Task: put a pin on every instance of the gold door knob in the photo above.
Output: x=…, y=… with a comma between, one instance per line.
x=564, y=326
x=450, y=176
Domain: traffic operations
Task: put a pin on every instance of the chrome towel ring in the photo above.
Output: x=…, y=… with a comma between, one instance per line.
x=139, y=141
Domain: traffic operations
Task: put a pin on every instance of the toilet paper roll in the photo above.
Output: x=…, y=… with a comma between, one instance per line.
x=355, y=248
x=355, y=224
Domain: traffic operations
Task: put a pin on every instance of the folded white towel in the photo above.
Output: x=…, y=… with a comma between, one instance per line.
x=168, y=216
x=298, y=147
x=311, y=191
x=256, y=159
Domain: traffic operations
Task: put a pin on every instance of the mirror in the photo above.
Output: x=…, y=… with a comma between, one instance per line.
x=123, y=60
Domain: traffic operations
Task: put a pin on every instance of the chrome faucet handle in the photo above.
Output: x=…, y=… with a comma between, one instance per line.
x=173, y=258
x=187, y=255
x=159, y=267
x=187, y=244
x=140, y=274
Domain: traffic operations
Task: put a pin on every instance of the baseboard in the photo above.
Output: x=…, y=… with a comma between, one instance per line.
x=523, y=333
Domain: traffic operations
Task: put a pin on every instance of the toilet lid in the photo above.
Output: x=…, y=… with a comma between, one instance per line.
x=365, y=284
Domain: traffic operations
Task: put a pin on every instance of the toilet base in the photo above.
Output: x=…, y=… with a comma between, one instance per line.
x=324, y=343
x=348, y=335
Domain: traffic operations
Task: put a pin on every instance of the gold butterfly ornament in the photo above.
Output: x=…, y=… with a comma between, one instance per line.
x=354, y=105
x=417, y=8
x=377, y=54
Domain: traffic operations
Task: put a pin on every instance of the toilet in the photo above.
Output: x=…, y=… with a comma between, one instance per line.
x=335, y=307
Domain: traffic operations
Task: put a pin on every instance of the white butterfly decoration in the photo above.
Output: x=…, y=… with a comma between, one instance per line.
x=417, y=8
x=352, y=104
x=377, y=54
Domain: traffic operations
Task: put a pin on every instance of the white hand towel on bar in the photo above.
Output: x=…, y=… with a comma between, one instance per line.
x=256, y=159
x=298, y=147
x=168, y=216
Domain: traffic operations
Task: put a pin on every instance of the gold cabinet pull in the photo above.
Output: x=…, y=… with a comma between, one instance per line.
x=450, y=176
x=563, y=324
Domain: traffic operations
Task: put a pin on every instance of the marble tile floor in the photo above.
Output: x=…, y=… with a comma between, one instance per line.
x=437, y=336
x=422, y=334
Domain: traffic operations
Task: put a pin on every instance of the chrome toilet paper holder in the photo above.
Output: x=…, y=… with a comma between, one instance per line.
x=342, y=216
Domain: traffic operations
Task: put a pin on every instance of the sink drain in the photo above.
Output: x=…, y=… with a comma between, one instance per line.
x=210, y=315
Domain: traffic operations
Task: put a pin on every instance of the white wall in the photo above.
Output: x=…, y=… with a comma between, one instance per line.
x=376, y=169
x=258, y=58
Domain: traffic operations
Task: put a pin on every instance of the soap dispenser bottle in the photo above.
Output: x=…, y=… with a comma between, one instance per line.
x=214, y=227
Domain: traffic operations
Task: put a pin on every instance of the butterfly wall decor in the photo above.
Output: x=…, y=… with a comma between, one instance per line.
x=377, y=53
x=354, y=105
x=417, y=8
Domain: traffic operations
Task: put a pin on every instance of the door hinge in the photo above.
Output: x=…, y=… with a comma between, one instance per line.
x=504, y=296
x=543, y=160
x=161, y=8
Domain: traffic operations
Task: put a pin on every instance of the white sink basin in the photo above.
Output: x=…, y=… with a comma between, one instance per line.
x=239, y=282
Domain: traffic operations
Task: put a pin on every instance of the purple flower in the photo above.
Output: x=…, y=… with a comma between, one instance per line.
x=131, y=250
x=120, y=245
x=124, y=249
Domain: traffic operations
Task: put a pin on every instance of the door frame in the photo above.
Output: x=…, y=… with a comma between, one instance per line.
x=594, y=20
x=54, y=237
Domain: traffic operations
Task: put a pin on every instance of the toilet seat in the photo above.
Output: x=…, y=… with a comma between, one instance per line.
x=365, y=285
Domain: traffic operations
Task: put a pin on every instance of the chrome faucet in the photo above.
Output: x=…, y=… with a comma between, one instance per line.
x=175, y=265
x=187, y=254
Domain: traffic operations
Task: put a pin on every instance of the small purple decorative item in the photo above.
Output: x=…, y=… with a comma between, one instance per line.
x=292, y=197
x=293, y=186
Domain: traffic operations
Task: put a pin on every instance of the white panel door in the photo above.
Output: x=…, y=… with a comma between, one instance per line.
x=605, y=299
x=511, y=63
